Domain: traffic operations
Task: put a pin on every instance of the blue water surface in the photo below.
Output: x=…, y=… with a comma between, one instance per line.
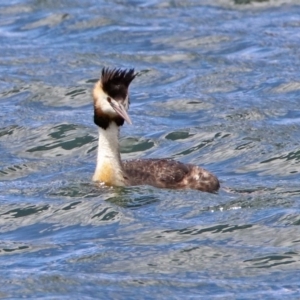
x=218, y=86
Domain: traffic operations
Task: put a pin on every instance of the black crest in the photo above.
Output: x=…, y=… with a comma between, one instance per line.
x=115, y=82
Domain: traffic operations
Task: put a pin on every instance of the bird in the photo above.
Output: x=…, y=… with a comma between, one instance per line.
x=111, y=104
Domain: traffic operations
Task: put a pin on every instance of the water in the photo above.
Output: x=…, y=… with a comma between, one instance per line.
x=219, y=86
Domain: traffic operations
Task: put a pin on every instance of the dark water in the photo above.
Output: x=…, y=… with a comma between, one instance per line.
x=219, y=86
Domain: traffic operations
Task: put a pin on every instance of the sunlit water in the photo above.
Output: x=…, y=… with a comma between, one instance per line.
x=219, y=86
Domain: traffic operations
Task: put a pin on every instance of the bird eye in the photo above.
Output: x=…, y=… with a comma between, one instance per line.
x=109, y=99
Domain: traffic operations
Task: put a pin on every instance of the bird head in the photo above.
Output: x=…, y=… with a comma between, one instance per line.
x=111, y=99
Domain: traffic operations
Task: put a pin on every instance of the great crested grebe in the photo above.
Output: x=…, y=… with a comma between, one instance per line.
x=111, y=102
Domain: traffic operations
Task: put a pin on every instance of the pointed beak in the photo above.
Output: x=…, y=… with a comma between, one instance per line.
x=120, y=109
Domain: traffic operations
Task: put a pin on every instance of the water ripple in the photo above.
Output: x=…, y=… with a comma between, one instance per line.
x=217, y=85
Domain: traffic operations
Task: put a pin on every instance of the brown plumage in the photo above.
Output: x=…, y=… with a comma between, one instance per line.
x=168, y=173
x=111, y=102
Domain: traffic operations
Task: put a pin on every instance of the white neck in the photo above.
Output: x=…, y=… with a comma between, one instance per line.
x=109, y=166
